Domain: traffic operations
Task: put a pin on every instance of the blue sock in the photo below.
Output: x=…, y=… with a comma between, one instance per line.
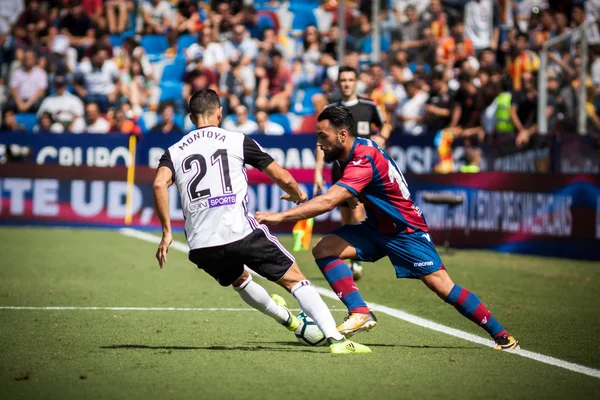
x=340, y=279
x=469, y=305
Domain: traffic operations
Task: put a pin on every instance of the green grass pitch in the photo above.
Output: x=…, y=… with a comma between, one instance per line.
x=550, y=305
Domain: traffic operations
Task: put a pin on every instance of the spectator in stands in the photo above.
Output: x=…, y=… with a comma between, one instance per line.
x=10, y=11
x=223, y=19
x=523, y=110
x=255, y=24
x=380, y=91
x=135, y=87
x=437, y=21
x=502, y=121
x=33, y=21
x=410, y=32
x=523, y=61
x=428, y=50
x=78, y=27
x=167, y=124
x=96, y=80
x=94, y=123
x=455, y=47
x=117, y=13
x=95, y=10
x=102, y=43
x=438, y=107
x=241, y=122
x=275, y=87
x=28, y=85
x=267, y=127
x=487, y=58
x=241, y=48
x=211, y=52
x=478, y=29
x=9, y=122
x=46, y=124
x=239, y=83
x=131, y=51
x=120, y=123
x=63, y=107
x=199, y=78
x=410, y=113
x=187, y=19
x=158, y=17
x=307, y=69
x=467, y=106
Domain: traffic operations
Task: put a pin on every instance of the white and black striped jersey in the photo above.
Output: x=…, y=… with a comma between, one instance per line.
x=365, y=113
x=208, y=166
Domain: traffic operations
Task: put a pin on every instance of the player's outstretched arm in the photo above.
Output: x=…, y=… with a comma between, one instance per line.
x=162, y=181
x=286, y=182
x=319, y=164
x=335, y=196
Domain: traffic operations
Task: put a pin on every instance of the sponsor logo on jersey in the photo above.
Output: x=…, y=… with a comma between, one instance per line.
x=212, y=202
x=423, y=264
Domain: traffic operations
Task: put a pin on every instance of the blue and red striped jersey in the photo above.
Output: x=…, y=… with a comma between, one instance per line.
x=372, y=175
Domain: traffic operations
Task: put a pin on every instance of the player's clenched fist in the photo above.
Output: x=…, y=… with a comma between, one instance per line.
x=270, y=218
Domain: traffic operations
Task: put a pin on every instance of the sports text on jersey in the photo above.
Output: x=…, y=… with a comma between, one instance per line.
x=212, y=202
x=202, y=134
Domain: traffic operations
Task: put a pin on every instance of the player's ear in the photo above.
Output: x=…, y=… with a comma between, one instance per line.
x=220, y=115
x=194, y=120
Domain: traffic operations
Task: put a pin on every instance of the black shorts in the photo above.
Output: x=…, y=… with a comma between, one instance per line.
x=260, y=251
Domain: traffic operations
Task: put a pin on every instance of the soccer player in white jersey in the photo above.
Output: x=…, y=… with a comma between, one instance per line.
x=208, y=167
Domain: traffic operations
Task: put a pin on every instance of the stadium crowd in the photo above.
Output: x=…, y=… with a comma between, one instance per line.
x=130, y=65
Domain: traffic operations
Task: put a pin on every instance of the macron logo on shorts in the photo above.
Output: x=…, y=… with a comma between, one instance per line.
x=423, y=264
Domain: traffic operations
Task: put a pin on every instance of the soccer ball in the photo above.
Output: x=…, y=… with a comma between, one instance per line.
x=308, y=332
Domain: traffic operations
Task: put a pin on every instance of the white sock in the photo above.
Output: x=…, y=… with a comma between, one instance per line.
x=314, y=306
x=257, y=297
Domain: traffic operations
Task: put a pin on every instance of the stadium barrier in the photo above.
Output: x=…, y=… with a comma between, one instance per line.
x=552, y=215
x=413, y=154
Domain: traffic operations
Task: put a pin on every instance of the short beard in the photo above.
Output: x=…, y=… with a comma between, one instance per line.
x=333, y=154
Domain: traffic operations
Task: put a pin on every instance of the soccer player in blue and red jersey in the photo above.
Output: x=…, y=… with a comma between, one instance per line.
x=395, y=227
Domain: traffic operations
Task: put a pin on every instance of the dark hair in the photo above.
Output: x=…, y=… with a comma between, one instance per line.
x=166, y=104
x=339, y=117
x=523, y=35
x=347, y=68
x=203, y=102
x=275, y=53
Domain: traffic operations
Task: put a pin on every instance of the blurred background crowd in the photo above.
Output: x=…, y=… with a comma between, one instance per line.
x=129, y=66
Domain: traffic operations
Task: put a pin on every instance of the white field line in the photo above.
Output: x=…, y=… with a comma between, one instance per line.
x=413, y=319
x=60, y=308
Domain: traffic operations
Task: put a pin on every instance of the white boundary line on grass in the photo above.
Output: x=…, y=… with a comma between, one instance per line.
x=413, y=319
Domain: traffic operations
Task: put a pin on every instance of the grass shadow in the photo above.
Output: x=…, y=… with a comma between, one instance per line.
x=219, y=348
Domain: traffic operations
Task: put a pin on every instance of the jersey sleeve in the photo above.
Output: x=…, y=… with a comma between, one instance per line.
x=255, y=155
x=357, y=175
x=378, y=119
x=165, y=161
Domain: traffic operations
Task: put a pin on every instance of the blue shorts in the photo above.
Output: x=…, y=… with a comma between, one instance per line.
x=413, y=255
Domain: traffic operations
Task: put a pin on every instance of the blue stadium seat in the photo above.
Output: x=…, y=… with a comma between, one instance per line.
x=282, y=120
x=116, y=40
x=184, y=42
x=175, y=71
x=29, y=120
x=302, y=19
x=179, y=120
x=154, y=44
x=171, y=90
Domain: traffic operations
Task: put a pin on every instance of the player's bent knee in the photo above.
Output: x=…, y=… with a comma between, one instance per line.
x=241, y=282
x=291, y=277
